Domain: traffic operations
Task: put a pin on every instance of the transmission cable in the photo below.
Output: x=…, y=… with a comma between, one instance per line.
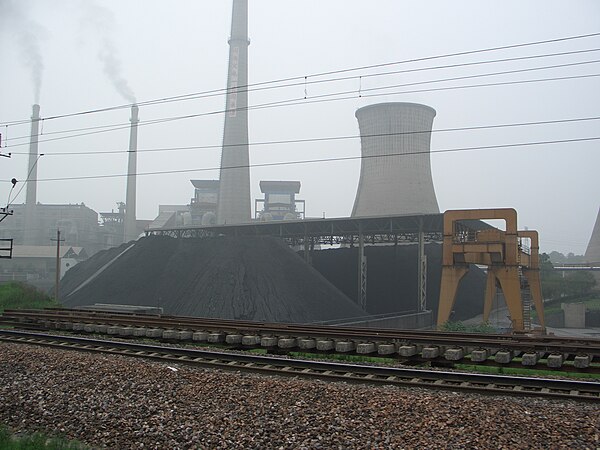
x=323, y=98
x=319, y=74
x=321, y=139
x=325, y=160
x=125, y=124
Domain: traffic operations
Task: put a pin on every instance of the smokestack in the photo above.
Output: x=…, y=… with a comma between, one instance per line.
x=31, y=196
x=234, y=186
x=401, y=183
x=130, y=229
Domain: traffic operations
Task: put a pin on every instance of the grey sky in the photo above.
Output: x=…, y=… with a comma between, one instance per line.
x=163, y=49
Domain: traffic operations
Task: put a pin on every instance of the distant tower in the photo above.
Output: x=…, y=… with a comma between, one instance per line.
x=30, y=227
x=592, y=254
x=234, y=186
x=402, y=183
x=130, y=229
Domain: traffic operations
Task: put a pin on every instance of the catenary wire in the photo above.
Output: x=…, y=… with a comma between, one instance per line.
x=121, y=124
x=124, y=124
x=323, y=139
x=373, y=66
x=325, y=160
x=318, y=99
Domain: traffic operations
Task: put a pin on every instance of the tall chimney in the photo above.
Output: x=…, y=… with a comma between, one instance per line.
x=234, y=185
x=31, y=196
x=130, y=229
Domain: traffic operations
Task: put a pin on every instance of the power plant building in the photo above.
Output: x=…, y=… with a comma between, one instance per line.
x=280, y=202
x=203, y=207
x=395, y=173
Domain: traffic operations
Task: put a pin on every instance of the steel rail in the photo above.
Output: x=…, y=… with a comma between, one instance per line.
x=516, y=342
x=354, y=373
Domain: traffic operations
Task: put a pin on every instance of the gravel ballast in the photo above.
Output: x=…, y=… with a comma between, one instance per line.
x=117, y=402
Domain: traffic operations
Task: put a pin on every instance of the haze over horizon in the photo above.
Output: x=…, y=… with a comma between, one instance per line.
x=74, y=56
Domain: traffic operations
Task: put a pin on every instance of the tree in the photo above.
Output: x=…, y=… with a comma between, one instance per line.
x=557, y=284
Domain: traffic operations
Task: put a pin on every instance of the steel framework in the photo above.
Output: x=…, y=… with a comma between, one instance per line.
x=343, y=231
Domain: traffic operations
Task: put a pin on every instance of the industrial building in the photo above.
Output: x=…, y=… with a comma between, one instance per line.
x=36, y=264
x=78, y=225
x=203, y=206
x=395, y=172
x=279, y=202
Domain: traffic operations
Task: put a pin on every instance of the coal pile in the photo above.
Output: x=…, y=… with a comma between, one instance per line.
x=225, y=277
x=392, y=278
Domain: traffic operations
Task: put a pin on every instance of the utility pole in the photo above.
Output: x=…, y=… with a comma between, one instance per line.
x=58, y=241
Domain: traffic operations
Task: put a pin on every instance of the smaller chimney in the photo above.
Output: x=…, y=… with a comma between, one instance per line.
x=33, y=156
x=130, y=231
x=31, y=194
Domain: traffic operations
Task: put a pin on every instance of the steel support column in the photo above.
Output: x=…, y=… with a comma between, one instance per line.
x=422, y=274
x=362, y=271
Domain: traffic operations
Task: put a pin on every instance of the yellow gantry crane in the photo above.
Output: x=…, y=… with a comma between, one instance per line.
x=509, y=265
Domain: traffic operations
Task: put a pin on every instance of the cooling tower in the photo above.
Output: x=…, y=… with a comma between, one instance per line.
x=592, y=254
x=400, y=183
x=234, y=187
x=130, y=228
x=31, y=195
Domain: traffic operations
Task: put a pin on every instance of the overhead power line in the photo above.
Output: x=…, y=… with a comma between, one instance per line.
x=325, y=160
x=126, y=125
x=324, y=138
x=319, y=74
x=323, y=98
x=353, y=77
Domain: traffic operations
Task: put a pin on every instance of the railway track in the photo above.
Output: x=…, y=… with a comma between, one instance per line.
x=558, y=353
x=352, y=373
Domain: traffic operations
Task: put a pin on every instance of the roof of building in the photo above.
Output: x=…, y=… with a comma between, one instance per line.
x=46, y=251
x=280, y=186
x=206, y=184
x=165, y=218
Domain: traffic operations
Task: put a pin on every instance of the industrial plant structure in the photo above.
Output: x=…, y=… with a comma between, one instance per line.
x=395, y=173
x=30, y=224
x=131, y=231
x=280, y=202
x=592, y=253
x=234, y=187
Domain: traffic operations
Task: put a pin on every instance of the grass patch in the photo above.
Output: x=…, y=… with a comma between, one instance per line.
x=484, y=328
x=35, y=442
x=17, y=295
x=341, y=357
x=518, y=371
x=259, y=351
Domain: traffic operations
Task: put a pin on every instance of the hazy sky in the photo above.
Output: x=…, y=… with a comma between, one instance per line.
x=86, y=55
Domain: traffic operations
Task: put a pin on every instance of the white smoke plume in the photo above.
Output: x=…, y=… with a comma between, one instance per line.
x=27, y=34
x=102, y=21
x=112, y=68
